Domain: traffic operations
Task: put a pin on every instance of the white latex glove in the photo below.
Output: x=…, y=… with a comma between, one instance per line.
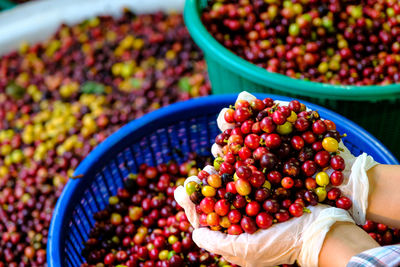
x=182, y=198
x=222, y=124
x=355, y=184
x=299, y=238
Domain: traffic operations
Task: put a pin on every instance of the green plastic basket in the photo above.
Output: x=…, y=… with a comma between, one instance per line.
x=376, y=108
x=6, y=4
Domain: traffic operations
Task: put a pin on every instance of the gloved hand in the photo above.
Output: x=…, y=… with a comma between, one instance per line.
x=182, y=198
x=355, y=184
x=299, y=238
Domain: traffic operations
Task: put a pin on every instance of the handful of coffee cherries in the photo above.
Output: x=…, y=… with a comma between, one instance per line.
x=274, y=160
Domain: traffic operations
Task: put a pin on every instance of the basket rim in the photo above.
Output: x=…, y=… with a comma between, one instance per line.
x=152, y=120
x=256, y=74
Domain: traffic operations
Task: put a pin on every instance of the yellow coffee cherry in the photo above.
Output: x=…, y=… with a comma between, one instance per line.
x=322, y=179
x=224, y=222
x=330, y=144
x=208, y=191
x=321, y=193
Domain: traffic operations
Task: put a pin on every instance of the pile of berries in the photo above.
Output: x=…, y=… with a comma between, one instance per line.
x=60, y=98
x=382, y=233
x=272, y=165
x=336, y=41
x=144, y=226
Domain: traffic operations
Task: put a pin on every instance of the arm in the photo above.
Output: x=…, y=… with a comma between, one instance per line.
x=343, y=241
x=384, y=195
x=380, y=256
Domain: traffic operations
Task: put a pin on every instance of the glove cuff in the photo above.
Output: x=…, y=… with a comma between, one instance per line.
x=183, y=200
x=314, y=236
x=358, y=187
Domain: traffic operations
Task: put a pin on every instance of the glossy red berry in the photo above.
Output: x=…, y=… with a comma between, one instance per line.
x=274, y=177
x=235, y=229
x=309, y=168
x=282, y=216
x=337, y=163
x=242, y=114
x=271, y=206
x=109, y=259
x=264, y=220
x=336, y=178
x=257, y=104
x=381, y=227
x=319, y=127
x=273, y=141
x=246, y=127
x=244, y=153
x=301, y=124
x=252, y=141
x=308, y=137
x=310, y=183
x=296, y=210
x=239, y=202
x=234, y=216
x=268, y=102
x=297, y=142
x=229, y=116
x=244, y=172
x=334, y=193
x=207, y=205
x=287, y=182
x=369, y=226
x=317, y=146
x=278, y=117
x=222, y=207
x=248, y=225
x=267, y=125
x=344, y=203
x=268, y=161
x=262, y=194
x=259, y=152
x=295, y=106
x=252, y=208
x=322, y=158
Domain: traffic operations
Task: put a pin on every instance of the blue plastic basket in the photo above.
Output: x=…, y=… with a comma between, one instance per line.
x=189, y=126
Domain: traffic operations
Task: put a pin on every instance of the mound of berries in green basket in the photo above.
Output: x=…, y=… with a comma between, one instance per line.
x=337, y=41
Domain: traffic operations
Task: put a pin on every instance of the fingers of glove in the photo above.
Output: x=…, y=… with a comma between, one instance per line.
x=216, y=242
x=216, y=151
x=238, y=261
x=238, y=249
x=245, y=96
x=192, y=179
x=348, y=157
x=210, y=169
x=277, y=245
x=221, y=122
x=358, y=187
x=182, y=198
x=345, y=153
